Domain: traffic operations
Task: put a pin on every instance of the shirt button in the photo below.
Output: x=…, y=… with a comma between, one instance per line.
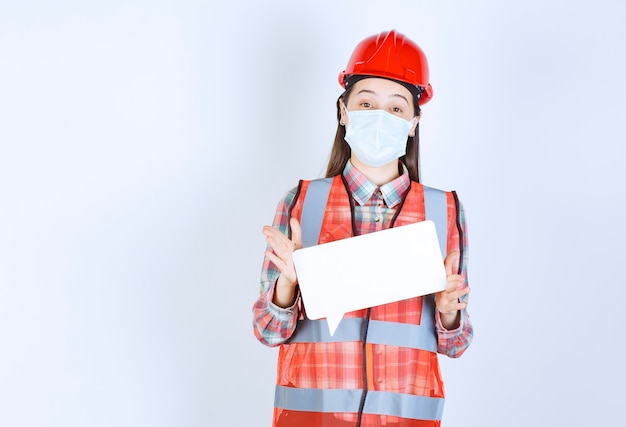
x=379, y=193
x=377, y=219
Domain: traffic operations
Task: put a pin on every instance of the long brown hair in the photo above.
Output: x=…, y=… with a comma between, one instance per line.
x=340, y=152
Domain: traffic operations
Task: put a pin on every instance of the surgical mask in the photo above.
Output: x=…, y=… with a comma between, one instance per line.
x=377, y=137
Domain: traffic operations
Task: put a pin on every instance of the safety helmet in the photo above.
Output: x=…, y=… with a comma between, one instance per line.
x=390, y=55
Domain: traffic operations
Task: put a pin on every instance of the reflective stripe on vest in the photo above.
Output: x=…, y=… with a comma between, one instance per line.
x=341, y=400
x=407, y=335
x=436, y=207
x=313, y=210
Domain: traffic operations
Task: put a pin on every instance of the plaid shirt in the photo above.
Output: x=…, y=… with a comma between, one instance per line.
x=374, y=209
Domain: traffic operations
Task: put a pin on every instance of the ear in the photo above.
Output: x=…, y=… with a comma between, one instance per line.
x=342, y=111
x=416, y=120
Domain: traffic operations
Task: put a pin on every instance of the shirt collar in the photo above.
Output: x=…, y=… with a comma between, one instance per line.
x=362, y=189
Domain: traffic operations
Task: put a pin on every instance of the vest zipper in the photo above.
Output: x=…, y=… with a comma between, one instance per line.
x=365, y=382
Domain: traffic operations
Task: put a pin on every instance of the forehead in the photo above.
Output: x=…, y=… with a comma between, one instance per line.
x=381, y=87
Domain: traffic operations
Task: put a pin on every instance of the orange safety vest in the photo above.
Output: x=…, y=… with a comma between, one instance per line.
x=336, y=380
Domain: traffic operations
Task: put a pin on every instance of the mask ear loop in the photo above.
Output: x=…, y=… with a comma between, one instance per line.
x=346, y=112
x=413, y=126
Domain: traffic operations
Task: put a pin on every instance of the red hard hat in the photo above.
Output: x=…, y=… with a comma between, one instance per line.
x=393, y=56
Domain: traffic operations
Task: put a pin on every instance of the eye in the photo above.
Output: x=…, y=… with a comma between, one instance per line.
x=365, y=105
x=396, y=110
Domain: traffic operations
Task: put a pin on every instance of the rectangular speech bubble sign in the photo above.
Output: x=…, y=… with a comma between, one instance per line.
x=372, y=269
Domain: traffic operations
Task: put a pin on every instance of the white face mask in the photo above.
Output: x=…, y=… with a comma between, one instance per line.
x=377, y=137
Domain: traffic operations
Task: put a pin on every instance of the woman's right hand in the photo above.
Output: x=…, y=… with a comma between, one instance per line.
x=281, y=254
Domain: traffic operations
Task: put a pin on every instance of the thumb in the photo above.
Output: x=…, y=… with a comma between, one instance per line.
x=451, y=263
x=296, y=233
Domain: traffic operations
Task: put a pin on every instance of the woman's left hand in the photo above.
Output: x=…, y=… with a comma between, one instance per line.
x=448, y=301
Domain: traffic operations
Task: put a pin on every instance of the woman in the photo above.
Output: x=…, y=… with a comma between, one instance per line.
x=382, y=368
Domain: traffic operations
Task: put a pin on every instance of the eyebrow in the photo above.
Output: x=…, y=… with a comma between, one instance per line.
x=374, y=93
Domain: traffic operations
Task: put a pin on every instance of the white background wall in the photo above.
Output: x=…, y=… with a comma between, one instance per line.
x=143, y=145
